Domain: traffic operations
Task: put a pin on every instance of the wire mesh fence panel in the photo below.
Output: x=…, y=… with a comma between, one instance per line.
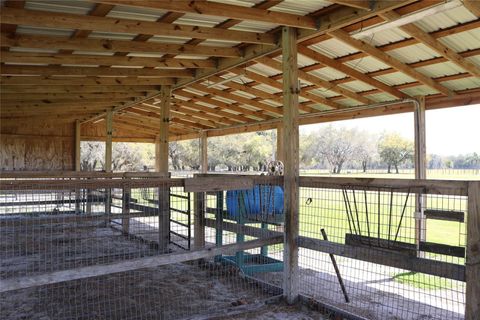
x=386, y=258
x=118, y=249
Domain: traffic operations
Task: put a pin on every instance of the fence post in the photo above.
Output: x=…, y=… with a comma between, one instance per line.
x=291, y=91
x=472, y=305
x=126, y=207
x=199, y=219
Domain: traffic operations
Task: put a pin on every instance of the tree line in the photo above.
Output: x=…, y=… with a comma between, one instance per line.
x=332, y=148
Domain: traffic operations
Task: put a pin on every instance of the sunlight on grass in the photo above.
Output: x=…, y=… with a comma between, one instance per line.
x=422, y=281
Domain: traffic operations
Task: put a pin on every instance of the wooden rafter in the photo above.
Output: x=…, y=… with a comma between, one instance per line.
x=434, y=44
x=26, y=96
x=45, y=89
x=473, y=6
x=105, y=45
x=395, y=63
x=225, y=116
x=93, y=71
x=223, y=10
x=359, y=4
x=82, y=59
x=82, y=81
x=105, y=24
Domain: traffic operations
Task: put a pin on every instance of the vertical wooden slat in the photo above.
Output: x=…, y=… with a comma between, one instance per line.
x=126, y=196
x=472, y=305
x=280, y=143
x=199, y=220
x=77, y=162
x=108, y=157
x=203, y=152
x=291, y=91
x=420, y=168
x=162, y=166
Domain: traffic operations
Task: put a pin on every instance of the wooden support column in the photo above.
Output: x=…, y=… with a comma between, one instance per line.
x=108, y=158
x=280, y=151
x=77, y=162
x=472, y=305
x=420, y=168
x=162, y=167
x=126, y=198
x=203, y=152
x=291, y=91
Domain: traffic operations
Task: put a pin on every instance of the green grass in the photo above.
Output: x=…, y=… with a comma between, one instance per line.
x=446, y=174
x=422, y=281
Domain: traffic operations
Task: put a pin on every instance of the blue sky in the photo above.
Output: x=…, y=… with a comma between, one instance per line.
x=449, y=131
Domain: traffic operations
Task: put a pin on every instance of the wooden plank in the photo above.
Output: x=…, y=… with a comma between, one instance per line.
x=83, y=81
x=242, y=229
x=359, y=4
x=291, y=180
x=223, y=10
x=90, y=59
x=472, y=303
x=105, y=24
x=75, y=89
x=77, y=145
x=93, y=71
x=105, y=45
x=473, y=6
x=446, y=187
x=457, y=216
x=408, y=249
x=207, y=184
x=429, y=41
x=203, y=152
x=130, y=265
x=59, y=97
x=420, y=160
x=444, y=249
x=385, y=258
x=390, y=60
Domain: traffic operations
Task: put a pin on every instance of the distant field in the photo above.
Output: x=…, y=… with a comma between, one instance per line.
x=445, y=174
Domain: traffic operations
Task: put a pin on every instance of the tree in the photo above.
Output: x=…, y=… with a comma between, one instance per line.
x=92, y=155
x=365, y=149
x=394, y=150
x=125, y=156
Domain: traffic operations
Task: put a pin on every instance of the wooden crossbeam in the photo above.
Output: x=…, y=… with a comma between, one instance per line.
x=434, y=44
x=155, y=113
x=395, y=63
x=473, y=6
x=26, y=96
x=106, y=45
x=68, y=89
x=82, y=81
x=318, y=82
x=326, y=61
x=93, y=71
x=82, y=59
x=105, y=24
x=223, y=10
x=226, y=116
x=359, y=4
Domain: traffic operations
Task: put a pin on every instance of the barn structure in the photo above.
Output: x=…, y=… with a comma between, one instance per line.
x=110, y=245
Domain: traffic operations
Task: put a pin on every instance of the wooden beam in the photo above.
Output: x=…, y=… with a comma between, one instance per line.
x=93, y=71
x=420, y=159
x=104, y=24
x=291, y=91
x=78, y=90
x=108, y=143
x=473, y=6
x=90, y=59
x=203, y=143
x=359, y=4
x=324, y=60
x=54, y=97
x=223, y=10
x=86, y=104
x=472, y=303
x=395, y=63
x=429, y=41
x=162, y=155
x=130, y=265
x=106, y=45
x=280, y=153
x=83, y=81
x=77, y=145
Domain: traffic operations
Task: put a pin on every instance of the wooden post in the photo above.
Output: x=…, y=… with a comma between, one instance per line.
x=162, y=167
x=472, y=305
x=199, y=220
x=126, y=208
x=280, y=148
x=420, y=168
x=203, y=152
x=291, y=91
x=108, y=159
x=77, y=162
